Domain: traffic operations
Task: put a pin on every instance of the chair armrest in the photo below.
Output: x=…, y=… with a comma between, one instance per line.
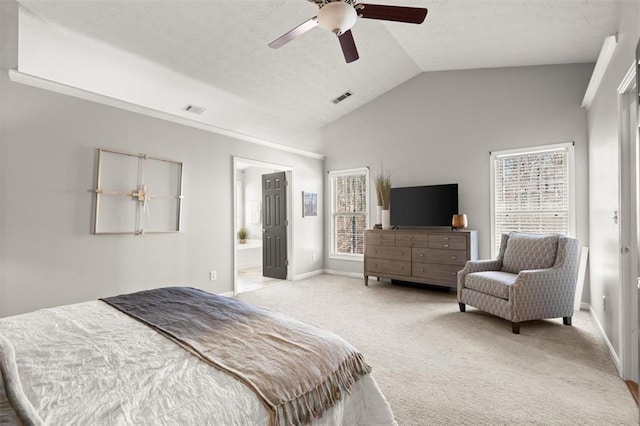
x=542, y=293
x=477, y=266
x=544, y=279
x=481, y=266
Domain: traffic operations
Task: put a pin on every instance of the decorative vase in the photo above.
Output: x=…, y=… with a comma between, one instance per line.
x=379, y=215
x=386, y=223
x=243, y=241
x=458, y=222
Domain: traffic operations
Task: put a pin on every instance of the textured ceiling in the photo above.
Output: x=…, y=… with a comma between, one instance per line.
x=224, y=44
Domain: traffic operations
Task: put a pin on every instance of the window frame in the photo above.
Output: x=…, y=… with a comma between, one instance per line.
x=571, y=188
x=333, y=254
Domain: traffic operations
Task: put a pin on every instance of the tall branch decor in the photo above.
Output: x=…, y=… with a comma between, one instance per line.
x=383, y=194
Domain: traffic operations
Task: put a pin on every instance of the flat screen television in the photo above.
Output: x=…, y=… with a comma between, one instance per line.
x=417, y=206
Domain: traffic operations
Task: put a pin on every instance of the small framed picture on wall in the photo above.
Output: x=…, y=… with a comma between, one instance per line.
x=309, y=204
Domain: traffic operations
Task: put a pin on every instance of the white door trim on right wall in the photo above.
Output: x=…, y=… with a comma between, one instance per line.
x=627, y=198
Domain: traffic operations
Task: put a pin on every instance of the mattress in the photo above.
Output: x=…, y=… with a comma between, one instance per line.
x=89, y=363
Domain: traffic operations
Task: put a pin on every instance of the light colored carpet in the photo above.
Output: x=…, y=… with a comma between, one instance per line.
x=437, y=365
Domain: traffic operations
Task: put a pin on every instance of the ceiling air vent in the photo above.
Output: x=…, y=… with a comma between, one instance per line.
x=195, y=109
x=342, y=97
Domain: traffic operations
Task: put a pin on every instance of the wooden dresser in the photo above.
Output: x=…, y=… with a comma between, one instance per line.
x=420, y=256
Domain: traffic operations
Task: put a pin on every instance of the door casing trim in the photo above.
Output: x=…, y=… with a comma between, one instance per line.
x=289, y=171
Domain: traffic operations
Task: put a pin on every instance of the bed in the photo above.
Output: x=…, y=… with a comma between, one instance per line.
x=98, y=363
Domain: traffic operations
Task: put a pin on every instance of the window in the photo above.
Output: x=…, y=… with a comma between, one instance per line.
x=349, y=212
x=532, y=191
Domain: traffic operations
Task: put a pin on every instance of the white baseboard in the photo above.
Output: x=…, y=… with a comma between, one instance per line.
x=585, y=306
x=612, y=353
x=344, y=273
x=227, y=294
x=308, y=275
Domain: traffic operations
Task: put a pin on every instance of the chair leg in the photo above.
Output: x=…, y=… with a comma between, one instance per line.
x=462, y=306
x=566, y=320
x=515, y=328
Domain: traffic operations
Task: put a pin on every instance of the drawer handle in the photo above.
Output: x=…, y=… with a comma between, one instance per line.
x=446, y=238
x=421, y=254
x=421, y=270
x=446, y=245
x=453, y=273
x=453, y=257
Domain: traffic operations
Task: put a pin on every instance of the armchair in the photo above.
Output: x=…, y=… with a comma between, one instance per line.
x=534, y=277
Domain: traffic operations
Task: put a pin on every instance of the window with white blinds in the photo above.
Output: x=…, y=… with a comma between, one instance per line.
x=532, y=191
x=349, y=211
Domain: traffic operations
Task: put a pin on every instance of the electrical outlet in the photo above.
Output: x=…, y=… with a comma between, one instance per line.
x=604, y=303
x=213, y=275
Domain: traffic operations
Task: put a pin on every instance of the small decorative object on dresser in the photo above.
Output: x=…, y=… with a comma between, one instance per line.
x=459, y=221
x=419, y=256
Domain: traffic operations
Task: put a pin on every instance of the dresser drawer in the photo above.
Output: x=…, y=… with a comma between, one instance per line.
x=386, y=252
x=380, y=238
x=444, y=256
x=436, y=274
x=387, y=267
x=412, y=240
x=448, y=241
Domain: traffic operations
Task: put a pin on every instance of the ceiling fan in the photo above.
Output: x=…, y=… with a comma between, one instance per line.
x=338, y=16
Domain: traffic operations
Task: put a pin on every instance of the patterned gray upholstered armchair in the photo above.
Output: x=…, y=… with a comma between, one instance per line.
x=534, y=277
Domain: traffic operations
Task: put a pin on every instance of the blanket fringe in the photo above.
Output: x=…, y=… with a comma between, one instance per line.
x=302, y=409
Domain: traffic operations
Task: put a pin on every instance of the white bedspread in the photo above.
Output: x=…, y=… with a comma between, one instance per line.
x=91, y=364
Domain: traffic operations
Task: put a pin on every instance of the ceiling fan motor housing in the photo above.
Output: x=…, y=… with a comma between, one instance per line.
x=337, y=17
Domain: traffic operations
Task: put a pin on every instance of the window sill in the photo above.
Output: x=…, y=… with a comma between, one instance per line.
x=351, y=257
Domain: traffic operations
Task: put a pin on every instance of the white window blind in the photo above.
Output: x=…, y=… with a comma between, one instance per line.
x=349, y=211
x=532, y=191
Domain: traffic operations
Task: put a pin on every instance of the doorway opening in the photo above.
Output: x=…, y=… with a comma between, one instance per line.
x=629, y=212
x=261, y=249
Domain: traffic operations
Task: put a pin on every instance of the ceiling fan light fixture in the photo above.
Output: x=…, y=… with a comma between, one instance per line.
x=337, y=17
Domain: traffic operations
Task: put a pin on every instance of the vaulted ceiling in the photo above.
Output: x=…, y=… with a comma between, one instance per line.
x=224, y=44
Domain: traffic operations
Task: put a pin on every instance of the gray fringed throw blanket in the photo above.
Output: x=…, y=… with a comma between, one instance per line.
x=296, y=369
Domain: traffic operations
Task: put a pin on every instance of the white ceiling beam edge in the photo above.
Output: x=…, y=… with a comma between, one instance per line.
x=52, y=86
x=55, y=54
x=606, y=53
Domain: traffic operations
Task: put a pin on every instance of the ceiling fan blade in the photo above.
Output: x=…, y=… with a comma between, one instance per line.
x=412, y=15
x=348, y=46
x=296, y=32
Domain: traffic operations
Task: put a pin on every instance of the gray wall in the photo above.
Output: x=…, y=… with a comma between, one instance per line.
x=439, y=127
x=48, y=256
x=603, y=125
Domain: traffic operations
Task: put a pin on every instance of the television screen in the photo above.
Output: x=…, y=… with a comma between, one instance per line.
x=432, y=205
